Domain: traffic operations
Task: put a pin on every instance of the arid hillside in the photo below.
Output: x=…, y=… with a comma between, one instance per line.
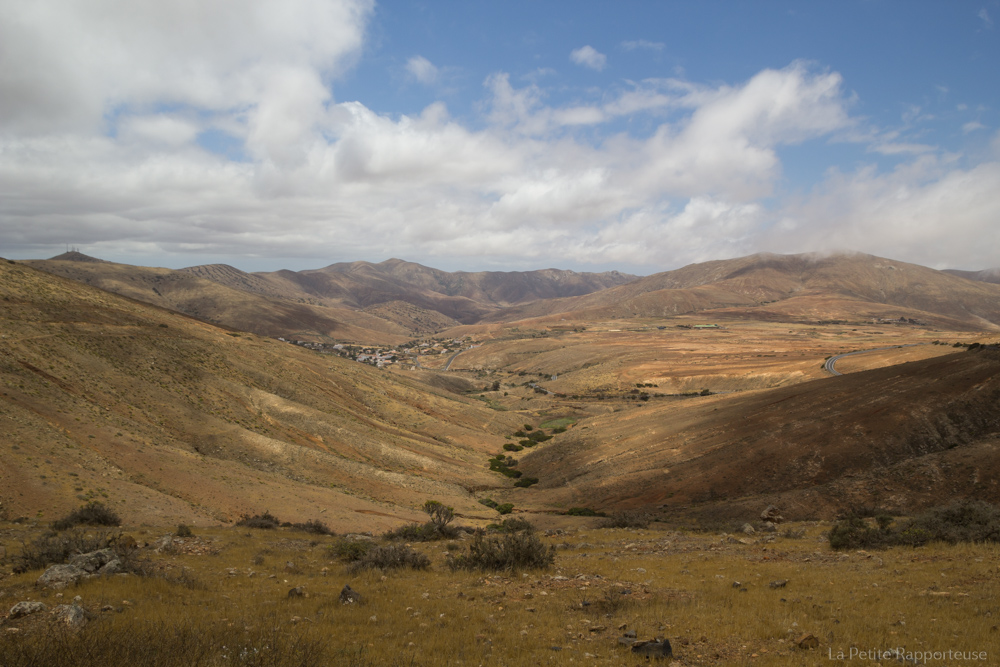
x=903, y=437
x=853, y=287
x=258, y=311
x=167, y=418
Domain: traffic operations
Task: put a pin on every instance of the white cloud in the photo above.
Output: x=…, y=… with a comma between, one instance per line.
x=101, y=121
x=588, y=56
x=985, y=17
x=422, y=69
x=972, y=126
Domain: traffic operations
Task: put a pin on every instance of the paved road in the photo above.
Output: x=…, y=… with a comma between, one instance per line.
x=829, y=364
x=447, y=366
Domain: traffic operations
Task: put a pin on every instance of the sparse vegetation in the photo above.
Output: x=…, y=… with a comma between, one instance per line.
x=583, y=511
x=313, y=526
x=508, y=551
x=390, y=557
x=94, y=513
x=183, y=530
x=628, y=519
x=963, y=521
x=265, y=521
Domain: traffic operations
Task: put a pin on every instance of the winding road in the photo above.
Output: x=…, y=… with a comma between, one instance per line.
x=829, y=364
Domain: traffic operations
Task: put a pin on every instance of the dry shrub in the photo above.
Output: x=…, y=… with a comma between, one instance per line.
x=314, y=527
x=350, y=550
x=55, y=548
x=960, y=521
x=265, y=521
x=91, y=514
x=511, y=551
x=391, y=557
x=628, y=519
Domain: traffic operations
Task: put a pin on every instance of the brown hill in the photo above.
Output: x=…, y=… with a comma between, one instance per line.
x=986, y=276
x=258, y=308
x=170, y=419
x=902, y=437
x=792, y=288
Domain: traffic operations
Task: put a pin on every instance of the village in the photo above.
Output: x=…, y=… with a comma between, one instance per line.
x=380, y=357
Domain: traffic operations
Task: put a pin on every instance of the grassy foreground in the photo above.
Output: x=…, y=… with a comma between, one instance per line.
x=221, y=597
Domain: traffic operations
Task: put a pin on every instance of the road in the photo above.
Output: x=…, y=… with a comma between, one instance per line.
x=829, y=364
x=447, y=366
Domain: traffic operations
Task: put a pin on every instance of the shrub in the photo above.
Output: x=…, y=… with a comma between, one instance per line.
x=91, y=514
x=439, y=514
x=528, y=427
x=489, y=502
x=514, y=524
x=525, y=482
x=314, y=527
x=627, y=519
x=511, y=447
x=412, y=532
x=265, y=521
x=960, y=521
x=54, y=548
x=350, y=550
x=391, y=557
x=505, y=508
x=505, y=552
x=583, y=511
x=526, y=443
x=183, y=530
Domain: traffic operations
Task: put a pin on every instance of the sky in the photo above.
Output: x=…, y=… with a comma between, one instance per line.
x=638, y=136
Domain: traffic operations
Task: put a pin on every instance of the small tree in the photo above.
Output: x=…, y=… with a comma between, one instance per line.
x=440, y=514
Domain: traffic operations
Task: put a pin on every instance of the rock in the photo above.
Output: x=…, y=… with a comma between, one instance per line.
x=737, y=584
x=93, y=561
x=350, y=596
x=111, y=567
x=597, y=628
x=654, y=648
x=163, y=544
x=778, y=583
x=748, y=529
x=60, y=576
x=26, y=609
x=769, y=527
x=771, y=514
x=296, y=592
x=290, y=567
x=807, y=641
x=72, y=615
x=630, y=634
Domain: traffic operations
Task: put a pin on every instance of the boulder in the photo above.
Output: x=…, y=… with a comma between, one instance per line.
x=26, y=609
x=748, y=529
x=350, y=596
x=93, y=561
x=111, y=567
x=778, y=583
x=658, y=648
x=807, y=641
x=297, y=592
x=59, y=576
x=771, y=514
x=71, y=614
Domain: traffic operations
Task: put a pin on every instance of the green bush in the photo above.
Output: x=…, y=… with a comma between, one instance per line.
x=506, y=552
x=511, y=447
x=91, y=514
x=505, y=508
x=489, y=502
x=525, y=482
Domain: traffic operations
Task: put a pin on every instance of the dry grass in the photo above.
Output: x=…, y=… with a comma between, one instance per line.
x=233, y=608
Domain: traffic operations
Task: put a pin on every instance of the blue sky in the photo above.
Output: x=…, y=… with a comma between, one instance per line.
x=485, y=135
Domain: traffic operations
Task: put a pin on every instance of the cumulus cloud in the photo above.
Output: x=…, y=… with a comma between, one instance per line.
x=104, y=125
x=590, y=57
x=421, y=69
